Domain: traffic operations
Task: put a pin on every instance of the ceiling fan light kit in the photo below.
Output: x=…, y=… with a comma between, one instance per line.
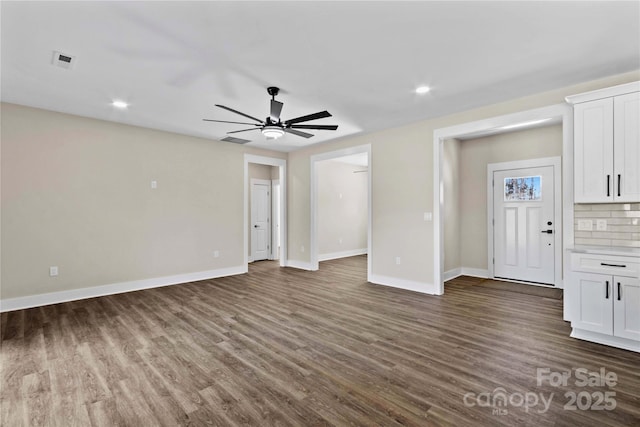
x=272, y=127
x=272, y=132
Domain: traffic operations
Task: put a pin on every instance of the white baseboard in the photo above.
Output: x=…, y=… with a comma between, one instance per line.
x=609, y=340
x=452, y=274
x=250, y=259
x=19, y=303
x=465, y=271
x=342, y=254
x=474, y=272
x=301, y=265
x=410, y=285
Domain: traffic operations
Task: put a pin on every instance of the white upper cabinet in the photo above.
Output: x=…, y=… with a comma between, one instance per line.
x=626, y=147
x=593, y=151
x=607, y=145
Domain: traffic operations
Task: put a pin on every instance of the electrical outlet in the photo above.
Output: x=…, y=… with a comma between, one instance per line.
x=428, y=216
x=398, y=260
x=301, y=248
x=585, y=225
x=216, y=254
x=53, y=271
x=154, y=184
x=601, y=225
x=340, y=240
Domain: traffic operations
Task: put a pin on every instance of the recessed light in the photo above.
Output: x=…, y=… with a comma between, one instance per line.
x=119, y=104
x=422, y=90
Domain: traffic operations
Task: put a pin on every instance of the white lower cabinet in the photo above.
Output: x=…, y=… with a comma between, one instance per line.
x=626, y=308
x=605, y=307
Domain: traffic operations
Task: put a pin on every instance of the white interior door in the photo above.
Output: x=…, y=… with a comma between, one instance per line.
x=260, y=219
x=523, y=232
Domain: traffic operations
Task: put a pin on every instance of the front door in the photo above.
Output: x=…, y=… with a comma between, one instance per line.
x=260, y=219
x=523, y=232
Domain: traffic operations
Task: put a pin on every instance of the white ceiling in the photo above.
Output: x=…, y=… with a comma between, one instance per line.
x=361, y=61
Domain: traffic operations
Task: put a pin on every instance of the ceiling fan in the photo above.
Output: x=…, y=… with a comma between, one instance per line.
x=273, y=127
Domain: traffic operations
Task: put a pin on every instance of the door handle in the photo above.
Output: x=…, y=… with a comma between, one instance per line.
x=619, y=177
x=619, y=292
x=607, y=290
x=547, y=231
x=608, y=185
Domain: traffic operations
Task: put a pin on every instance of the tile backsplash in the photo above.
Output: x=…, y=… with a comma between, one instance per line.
x=616, y=224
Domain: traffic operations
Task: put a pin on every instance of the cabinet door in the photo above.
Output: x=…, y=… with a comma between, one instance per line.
x=593, y=151
x=593, y=304
x=626, y=148
x=626, y=308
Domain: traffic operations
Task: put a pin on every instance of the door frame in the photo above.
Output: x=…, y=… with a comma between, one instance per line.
x=274, y=216
x=313, y=240
x=556, y=163
x=282, y=176
x=267, y=182
x=563, y=112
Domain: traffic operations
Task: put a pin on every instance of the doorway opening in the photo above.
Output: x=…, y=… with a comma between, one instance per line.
x=560, y=113
x=341, y=205
x=265, y=228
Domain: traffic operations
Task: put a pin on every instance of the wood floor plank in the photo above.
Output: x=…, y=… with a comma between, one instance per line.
x=286, y=347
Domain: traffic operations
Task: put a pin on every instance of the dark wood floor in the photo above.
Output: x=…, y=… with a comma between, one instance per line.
x=289, y=347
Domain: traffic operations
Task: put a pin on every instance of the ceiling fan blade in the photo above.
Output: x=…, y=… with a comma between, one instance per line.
x=318, y=127
x=238, y=112
x=224, y=121
x=306, y=118
x=297, y=132
x=243, y=130
x=276, y=108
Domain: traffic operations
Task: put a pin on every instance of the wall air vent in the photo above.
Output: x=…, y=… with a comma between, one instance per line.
x=235, y=140
x=63, y=60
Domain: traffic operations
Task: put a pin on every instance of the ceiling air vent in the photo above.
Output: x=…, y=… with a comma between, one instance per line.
x=63, y=60
x=235, y=140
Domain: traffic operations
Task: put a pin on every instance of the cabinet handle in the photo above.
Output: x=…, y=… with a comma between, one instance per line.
x=608, y=185
x=619, y=178
x=619, y=292
x=606, y=289
x=613, y=265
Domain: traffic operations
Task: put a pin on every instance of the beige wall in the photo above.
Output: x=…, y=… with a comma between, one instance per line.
x=475, y=155
x=451, y=196
x=342, y=207
x=76, y=194
x=402, y=184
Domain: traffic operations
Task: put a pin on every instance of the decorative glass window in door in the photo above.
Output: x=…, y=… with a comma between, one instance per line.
x=525, y=188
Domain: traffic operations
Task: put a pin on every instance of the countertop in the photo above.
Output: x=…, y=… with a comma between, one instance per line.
x=605, y=250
